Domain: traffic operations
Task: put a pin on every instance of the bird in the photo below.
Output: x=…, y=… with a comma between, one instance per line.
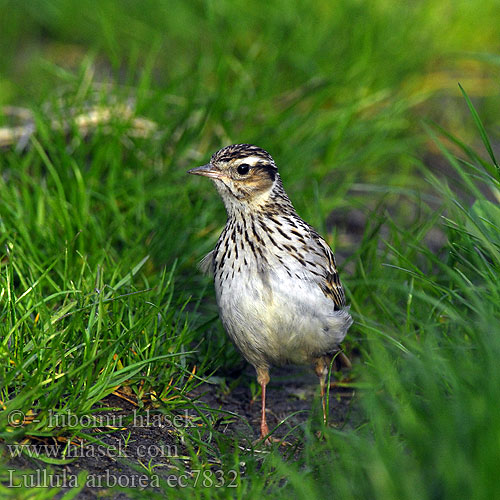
x=277, y=286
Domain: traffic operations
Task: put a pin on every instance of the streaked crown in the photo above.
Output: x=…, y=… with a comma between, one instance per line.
x=241, y=151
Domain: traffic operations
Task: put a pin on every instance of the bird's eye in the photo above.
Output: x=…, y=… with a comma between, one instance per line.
x=243, y=169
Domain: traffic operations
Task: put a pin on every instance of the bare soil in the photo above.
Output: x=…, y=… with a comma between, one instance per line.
x=150, y=439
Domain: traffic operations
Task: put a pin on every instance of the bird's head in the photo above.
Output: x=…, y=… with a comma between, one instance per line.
x=242, y=173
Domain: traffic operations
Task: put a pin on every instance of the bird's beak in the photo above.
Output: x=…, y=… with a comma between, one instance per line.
x=207, y=170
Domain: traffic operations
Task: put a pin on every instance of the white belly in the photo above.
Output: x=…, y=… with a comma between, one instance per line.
x=275, y=319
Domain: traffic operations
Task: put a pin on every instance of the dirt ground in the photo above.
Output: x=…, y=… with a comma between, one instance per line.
x=149, y=439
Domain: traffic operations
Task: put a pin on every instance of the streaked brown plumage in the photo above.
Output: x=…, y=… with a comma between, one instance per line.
x=277, y=286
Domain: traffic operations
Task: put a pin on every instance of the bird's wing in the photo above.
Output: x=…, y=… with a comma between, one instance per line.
x=291, y=240
x=206, y=265
x=330, y=284
x=321, y=268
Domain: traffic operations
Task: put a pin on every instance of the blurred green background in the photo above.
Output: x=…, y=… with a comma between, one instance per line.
x=336, y=91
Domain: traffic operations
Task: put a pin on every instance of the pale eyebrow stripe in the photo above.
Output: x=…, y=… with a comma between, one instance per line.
x=251, y=160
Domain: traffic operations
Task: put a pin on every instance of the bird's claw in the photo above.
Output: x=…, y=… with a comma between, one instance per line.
x=270, y=440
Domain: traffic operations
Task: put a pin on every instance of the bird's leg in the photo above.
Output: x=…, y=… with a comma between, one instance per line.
x=321, y=368
x=263, y=380
x=322, y=383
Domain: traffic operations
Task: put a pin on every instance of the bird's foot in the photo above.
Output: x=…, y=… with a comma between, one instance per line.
x=269, y=441
x=320, y=435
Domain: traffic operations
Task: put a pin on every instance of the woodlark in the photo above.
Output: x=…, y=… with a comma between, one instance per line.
x=278, y=290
